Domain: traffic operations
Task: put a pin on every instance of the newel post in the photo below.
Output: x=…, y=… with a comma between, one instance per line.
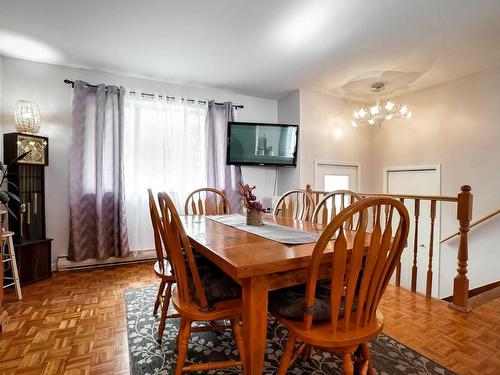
x=461, y=282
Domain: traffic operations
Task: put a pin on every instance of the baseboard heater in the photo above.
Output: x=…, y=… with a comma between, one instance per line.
x=64, y=264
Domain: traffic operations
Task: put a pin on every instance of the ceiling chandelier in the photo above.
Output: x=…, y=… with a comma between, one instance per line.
x=379, y=112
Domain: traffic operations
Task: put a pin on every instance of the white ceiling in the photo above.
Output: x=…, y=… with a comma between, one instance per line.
x=263, y=48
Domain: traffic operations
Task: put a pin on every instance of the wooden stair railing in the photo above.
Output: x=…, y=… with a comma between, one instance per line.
x=463, y=202
x=475, y=223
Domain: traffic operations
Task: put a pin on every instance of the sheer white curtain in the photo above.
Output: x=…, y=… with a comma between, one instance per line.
x=165, y=150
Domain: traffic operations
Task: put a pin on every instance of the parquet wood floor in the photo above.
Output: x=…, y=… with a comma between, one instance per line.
x=74, y=323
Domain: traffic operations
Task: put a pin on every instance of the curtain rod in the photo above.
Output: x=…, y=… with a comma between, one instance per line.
x=236, y=106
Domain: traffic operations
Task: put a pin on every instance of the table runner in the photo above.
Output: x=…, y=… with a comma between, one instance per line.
x=271, y=231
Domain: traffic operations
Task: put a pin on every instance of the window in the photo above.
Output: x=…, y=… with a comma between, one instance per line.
x=165, y=150
x=336, y=182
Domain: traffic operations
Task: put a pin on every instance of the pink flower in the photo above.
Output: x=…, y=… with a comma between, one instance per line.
x=257, y=206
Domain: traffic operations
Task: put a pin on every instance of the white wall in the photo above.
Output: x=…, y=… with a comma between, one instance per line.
x=457, y=125
x=43, y=83
x=326, y=134
x=289, y=113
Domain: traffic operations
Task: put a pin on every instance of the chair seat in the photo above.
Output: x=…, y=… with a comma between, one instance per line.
x=220, y=310
x=290, y=302
x=166, y=273
x=321, y=335
x=217, y=285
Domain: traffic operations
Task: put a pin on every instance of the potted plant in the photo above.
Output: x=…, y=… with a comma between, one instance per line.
x=253, y=208
x=5, y=195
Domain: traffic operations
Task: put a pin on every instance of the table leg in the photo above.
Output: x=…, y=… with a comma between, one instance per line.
x=254, y=324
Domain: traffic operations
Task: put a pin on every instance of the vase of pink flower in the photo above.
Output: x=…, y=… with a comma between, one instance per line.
x=253, y=208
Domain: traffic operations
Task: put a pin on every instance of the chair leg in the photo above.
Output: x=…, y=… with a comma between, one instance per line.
x=13, y=265
x=238, y=336
x=306, y=353
x=286, y=358
x=164, y=311
x=365, y=351
x=348, y=364
x=184, y=334
x=181, y=327
x=159, y=297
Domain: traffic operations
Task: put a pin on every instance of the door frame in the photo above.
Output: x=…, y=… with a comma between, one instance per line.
x=428, y=167
x=411, y=168
x=356, y=164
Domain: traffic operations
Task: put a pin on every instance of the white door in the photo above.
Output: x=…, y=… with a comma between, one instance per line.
x=330, y=176
x=418, y=181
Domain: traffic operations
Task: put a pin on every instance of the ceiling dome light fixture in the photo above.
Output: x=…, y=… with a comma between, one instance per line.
x=378, y=113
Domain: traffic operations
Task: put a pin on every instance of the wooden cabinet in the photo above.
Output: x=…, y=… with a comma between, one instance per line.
x=33, y=248
x=3, y=314
x=33, y=260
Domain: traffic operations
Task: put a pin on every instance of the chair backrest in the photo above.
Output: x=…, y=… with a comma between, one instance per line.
x=181, y=255
x=331, y=204
x=359, y=276
x=207, y=201
x=295, y=204
x=156, y=223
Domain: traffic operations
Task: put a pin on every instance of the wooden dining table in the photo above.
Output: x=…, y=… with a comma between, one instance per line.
x=259, y=265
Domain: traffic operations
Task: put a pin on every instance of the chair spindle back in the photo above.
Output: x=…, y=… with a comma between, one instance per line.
x=295, y=204
x=333, y=203
x=207, y=201
x=156, y=223
x=358, y=277
x=182, y=259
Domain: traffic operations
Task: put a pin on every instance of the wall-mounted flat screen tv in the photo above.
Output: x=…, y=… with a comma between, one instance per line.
x=262, y=144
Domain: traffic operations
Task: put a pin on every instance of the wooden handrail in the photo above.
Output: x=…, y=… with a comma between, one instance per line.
x=477, y=222
x=463, y=201
x=442, y=198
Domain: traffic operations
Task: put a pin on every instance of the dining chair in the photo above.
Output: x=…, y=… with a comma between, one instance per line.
x=296, y=204
x=192, y=295
x=339, y=314
x=162, y=269
x=207, y=201
x=332, y=203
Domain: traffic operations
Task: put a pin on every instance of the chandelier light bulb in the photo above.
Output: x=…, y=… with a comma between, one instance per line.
x=375, y=110
x=378, y=112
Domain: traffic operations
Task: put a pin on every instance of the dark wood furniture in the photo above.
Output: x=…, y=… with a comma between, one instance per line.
x=207, y=201
x=3, y=313
x=295, y=204
x=185, y=270
x=33, y=248
x=259, y=265
x=356, y=284
x=162, y=269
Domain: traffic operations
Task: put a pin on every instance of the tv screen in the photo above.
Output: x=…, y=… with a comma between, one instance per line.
x=262, y=144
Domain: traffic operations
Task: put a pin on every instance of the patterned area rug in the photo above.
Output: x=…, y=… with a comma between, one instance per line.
x=147, y=357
